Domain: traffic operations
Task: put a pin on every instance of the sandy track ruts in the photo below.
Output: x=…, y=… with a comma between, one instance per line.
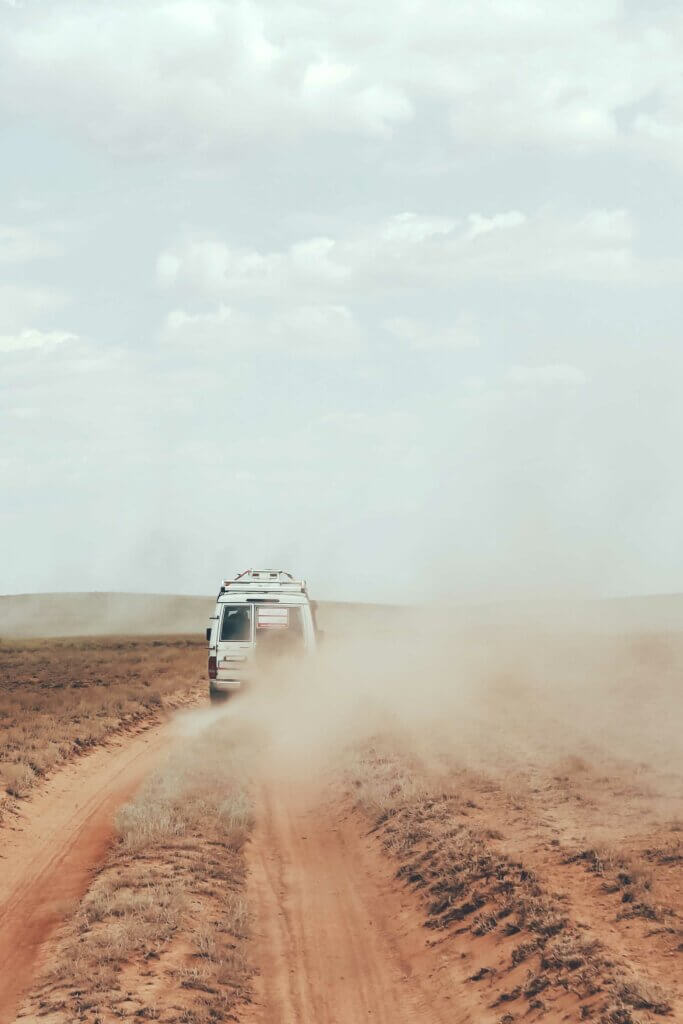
x=335, y=942
x=47, y=857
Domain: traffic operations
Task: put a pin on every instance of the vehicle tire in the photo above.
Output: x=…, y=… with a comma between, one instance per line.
x=218, y=696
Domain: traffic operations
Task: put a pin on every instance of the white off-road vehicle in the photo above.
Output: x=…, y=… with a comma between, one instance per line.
x=262, y=614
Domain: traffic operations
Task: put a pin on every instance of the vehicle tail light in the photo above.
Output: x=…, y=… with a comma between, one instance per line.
x=212, y=667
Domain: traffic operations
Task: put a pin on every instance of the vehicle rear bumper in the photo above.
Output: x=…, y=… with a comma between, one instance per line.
x=226, y=685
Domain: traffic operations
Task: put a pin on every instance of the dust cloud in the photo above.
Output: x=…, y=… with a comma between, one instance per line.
x=497, y=686
x=494, y=697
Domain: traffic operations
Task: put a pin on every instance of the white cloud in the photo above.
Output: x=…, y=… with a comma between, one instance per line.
x=25, y=412
x=608, y=225
x=378, y=109
x=479, y=225
x=223, y=326
x=412, y=228
x=421, y=336
x=30, y=338
x=203, y=75
x=414, y=250
x=215, y=268
x=341, y=94
x=325, y=75
x=21, y=245
x=210, y=76
x=554, y=373
x=309, y=330
x=317, y=330
x=204, y=265
x=25, y=303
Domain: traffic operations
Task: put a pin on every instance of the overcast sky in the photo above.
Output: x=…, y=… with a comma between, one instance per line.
x=386, y=293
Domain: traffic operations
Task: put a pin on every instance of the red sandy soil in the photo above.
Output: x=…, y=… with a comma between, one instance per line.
x=335, y=939
x=49, y=854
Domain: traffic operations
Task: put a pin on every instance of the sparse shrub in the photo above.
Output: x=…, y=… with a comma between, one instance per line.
x=204, y=939
x=568, y=953
x=237, y=914
x=534, y=984
x=234, y=817
x=148, y=822
x=643, y=995
x=509, y=996
x=19, y=779
x=199, y=978
x=523, y=951
x=667, y=853
x=484, y=923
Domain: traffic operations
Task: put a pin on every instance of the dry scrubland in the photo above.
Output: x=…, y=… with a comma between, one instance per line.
x=541, y=830
x=522, y=788
x=61, y=697
x=161, y=933
x=535, y=937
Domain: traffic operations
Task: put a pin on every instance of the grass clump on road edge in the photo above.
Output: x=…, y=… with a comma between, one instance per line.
x=163, y=932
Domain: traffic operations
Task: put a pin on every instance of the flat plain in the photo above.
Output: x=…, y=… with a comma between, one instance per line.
x=482, y=823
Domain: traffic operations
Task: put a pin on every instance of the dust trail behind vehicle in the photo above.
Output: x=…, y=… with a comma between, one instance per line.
x=545, y=747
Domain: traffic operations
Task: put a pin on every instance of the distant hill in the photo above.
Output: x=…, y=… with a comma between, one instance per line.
x=34, y=615
x=101, y=614
x=652, y=613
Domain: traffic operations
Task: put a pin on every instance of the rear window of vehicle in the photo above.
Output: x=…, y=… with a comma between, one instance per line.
x=276, y=618
x=236, y=622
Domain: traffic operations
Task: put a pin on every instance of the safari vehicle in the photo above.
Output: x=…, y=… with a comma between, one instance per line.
x=261, y=615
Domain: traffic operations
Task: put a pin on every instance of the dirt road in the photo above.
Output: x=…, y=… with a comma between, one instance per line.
x=48, y=855
x=335, y=942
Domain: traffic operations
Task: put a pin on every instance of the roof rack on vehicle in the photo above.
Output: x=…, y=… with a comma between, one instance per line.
x=264, y=580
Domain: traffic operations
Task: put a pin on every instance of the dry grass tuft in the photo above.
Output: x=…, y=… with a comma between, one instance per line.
x=19, y=779
x=643, y=995
x=630, y=876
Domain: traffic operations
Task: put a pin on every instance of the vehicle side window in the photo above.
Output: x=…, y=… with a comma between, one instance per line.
x=236, y=623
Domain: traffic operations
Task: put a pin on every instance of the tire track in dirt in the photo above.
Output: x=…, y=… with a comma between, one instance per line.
x=334, y=941
x=47, y=861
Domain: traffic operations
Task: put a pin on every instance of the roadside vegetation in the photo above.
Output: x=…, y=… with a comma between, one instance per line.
x=61, y=697
x=512, y=932
x=163, y=932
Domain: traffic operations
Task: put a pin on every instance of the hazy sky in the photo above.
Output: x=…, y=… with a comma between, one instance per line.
x=388, y=293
